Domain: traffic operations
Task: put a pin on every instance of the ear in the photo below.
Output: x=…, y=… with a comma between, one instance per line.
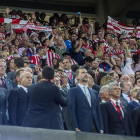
x=77, y=77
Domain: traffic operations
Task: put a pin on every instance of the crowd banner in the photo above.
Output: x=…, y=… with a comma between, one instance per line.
x=39, y=28
x=13, y=21
x=120, y=28
x=31, y=27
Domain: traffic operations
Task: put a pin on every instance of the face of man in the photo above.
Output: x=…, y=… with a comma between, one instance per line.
x=125, y=78
x=83, y=76
x=118, y=61
x=41, y=52
x=26, y=80
x=132, y=78
x=1, y=37
x=90, y=81
x=106, y=57
x=138, y=83
x=126, y=87
x=60, y=41
x=3, y=55
x=94, y=65
x=137, y=74
x=64, y=79
x=88, y=53
x=67, y=64
x=115, y=92
x=2, y=69
x=105, y=95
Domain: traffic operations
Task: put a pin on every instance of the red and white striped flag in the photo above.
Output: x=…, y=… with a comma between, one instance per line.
x=13, y=21
x=119, y=28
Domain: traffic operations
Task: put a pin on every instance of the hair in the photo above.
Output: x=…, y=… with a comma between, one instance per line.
x=99, y=77
x=75, y=67
x=17, y=74
x=106, y=35
x=65, y=75
x=110, y=81
x=100, y=43
x=113, y=68
x=23, y=74
x=48, y=72
x=88, y=59
x=38, y=49
x=102, y=89
x=77, y=71
x=92, y=73
x=68, y=59
x=123, y=76
x=112, y=85
x=105, y=79
x=19, y=62
x=136, y=72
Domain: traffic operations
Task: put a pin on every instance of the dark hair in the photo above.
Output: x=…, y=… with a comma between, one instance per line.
x=68, y=59
x=8, y=66
x=113, y=68
x=48, y=72
x=77, y=71
x=59, y=61
x=75, y=67
x=38, y=49
x=19, y=62
x=92, y=73
x=106, y=35
x=88, y=59
x=100, y=43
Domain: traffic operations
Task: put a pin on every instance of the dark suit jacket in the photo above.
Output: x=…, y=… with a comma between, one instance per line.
x=44, y=110
x=67, y=115
x=82, y=113
x=3, y=106
x=112, y=122
x=11, y=75
x=132, y=105
x=136, y=120
x=18, y=101
x=96, y=87
x=9, y=84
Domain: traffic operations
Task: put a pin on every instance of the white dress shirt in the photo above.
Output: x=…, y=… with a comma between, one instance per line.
x=24, y=88
x=82, y=87
x=119, y=102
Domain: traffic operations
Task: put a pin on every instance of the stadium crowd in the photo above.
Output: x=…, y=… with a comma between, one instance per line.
x=80, y=76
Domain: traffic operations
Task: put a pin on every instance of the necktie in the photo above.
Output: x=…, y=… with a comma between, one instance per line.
x=3, y=84
x=119, y=110
x=130, y=98
x=87, y=95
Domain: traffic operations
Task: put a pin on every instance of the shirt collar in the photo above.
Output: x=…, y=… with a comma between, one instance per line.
x=114, y=101
x=124, y=95
x=82, y=86
x=25, y=89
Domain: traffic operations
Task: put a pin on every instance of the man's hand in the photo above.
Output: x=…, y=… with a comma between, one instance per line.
x=101, y=132
x=77, y=130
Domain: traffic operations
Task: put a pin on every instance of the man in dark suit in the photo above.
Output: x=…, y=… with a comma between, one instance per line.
x=84, y=104
x=18, y=100
x=135, y=93
x=3, y=106
x=5, y=83
x=67, y=69
x=18, y=63
x=136, y=120
x=116, y=115
x=44, y=105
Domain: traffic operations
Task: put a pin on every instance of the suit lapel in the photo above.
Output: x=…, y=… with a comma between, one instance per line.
x=22, y=91
x=82, y=95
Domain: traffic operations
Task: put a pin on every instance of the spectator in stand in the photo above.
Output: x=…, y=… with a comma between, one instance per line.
x=75, y=51
x=87, y=64
x=137, y=82
x=117, y=122
x=88, y=122
x=135, y=93
x=61, y=47
x=67, y=69
x=104, y=94
x=18, y=63
x=10, y=65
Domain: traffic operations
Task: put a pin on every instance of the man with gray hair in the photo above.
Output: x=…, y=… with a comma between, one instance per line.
x=104, y=94
x=116, y=115
x=18, y=100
